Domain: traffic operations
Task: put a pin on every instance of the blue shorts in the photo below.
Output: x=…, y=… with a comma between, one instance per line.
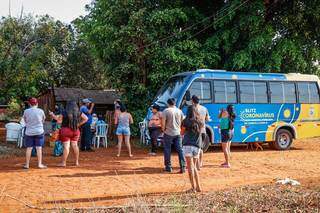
x=34, y=141
x=123, y=130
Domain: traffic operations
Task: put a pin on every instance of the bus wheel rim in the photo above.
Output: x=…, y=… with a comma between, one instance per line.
x=284, y=140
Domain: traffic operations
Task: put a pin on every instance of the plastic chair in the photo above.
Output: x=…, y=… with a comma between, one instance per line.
x=144, y=133
x=101, y=134
x=21, y=138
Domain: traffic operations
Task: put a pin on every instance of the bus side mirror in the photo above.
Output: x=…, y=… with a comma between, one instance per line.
x=188, y=95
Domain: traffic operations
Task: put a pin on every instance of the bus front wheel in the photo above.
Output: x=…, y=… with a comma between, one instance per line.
x=284, y=140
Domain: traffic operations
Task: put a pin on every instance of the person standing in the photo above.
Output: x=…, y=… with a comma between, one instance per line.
x=204, y=116
x=171, y=126
x=117, y=105
x=155, y=128
x=72, y=119
x=56, y=121
x=232, y=117
x=86, y=137
x=34, y=118
x=124, y=120
x=192, y=145
x=225, y=136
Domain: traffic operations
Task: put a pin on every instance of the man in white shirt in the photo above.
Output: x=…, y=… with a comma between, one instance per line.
x=204, y=116
x=34, y=134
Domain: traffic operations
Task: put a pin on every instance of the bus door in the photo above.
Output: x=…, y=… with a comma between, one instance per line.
x=253, y=111
x=225, y=92
x=202, y=88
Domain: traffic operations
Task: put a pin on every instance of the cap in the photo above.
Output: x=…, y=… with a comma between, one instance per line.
x=33, y=101
x=86, y=101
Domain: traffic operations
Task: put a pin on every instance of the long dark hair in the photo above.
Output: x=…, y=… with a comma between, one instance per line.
x=230, y=110
x=193, y=117
x=72, y=115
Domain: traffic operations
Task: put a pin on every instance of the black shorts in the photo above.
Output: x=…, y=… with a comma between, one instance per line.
x=225, y=135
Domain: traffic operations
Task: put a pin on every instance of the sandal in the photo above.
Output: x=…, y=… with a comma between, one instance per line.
x=226, y=166
x=42, y=167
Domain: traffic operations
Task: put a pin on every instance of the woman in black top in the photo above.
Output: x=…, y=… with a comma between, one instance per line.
x=72, y=119
x=191, y=145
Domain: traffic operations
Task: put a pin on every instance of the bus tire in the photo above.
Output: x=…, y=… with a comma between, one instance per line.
x=283, y=140
x=206, y=144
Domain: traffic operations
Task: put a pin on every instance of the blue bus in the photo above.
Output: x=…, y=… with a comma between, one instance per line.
x=270, y=107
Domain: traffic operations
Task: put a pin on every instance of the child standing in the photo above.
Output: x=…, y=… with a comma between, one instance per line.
x=155, y=128
x=192, y=145
x=225, y=136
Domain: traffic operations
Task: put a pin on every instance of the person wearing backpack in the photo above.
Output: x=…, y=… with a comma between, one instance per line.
x=225, y=136
x=72, y=120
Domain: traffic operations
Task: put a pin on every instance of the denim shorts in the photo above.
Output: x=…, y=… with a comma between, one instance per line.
x=123, y=131
x=191, y=151
x=34, y=141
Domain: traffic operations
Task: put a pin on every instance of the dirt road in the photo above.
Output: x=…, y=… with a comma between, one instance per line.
x=103, y=179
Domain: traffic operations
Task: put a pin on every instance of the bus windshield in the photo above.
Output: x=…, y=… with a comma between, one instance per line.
x=171, y=89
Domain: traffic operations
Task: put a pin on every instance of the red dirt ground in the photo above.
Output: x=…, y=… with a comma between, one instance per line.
x=103, y=180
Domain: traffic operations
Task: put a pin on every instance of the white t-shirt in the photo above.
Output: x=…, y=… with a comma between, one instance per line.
x=203, y=114
x=34, y=119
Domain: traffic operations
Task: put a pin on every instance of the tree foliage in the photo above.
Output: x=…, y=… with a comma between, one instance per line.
x=143, y=43
x=136, y=45
x=37, y=53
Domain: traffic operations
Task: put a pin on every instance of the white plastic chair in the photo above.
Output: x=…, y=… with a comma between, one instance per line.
x=21, y=138
x=144, y=133
x=101, y=135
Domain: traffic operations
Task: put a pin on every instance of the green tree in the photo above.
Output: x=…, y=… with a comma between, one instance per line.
x=32, y=54
x=124, y=36
x=37, y=53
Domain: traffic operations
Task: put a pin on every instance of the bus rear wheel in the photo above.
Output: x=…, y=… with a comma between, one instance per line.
x=206, y=144
x=283, y=140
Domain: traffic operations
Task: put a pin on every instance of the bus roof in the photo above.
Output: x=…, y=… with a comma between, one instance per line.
x=223, y=74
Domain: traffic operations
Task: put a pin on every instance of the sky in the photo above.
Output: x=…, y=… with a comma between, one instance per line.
x=63, y=10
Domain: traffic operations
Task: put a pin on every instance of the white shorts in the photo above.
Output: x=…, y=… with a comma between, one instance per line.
x=191, y=151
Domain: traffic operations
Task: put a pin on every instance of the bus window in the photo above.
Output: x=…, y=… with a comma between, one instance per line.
x=170, y=90
x=253, y=92
x=303, y=92
x=314, y=93
x=308, y=92
x=225, y=91
x=202, y=89
x=289, y=92
x=283, y=92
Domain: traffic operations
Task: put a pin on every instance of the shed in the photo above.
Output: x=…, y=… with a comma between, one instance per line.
x=103, y=99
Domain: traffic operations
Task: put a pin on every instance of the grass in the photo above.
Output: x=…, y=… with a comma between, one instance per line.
x=270, y=198
x=10, y=150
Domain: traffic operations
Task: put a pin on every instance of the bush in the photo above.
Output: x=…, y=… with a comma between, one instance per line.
x=14, y=109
